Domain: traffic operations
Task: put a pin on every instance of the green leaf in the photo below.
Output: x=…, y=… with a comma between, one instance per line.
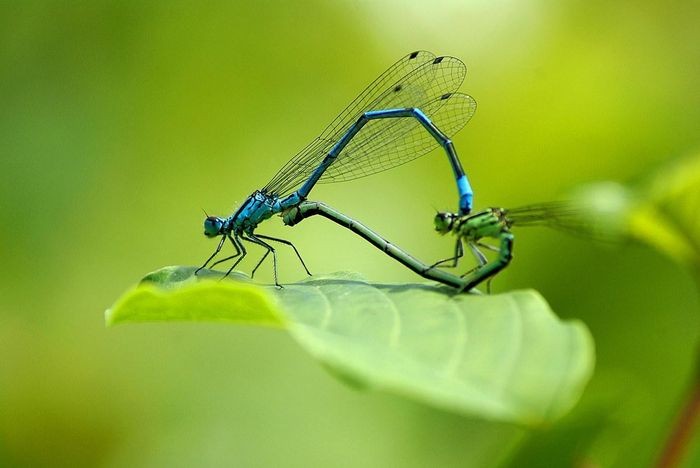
x=504, y=357
x=663, y=213
x=174, y=293
x=673, y=201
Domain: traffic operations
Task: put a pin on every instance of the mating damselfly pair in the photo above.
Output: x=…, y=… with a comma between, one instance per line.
x=409, y=110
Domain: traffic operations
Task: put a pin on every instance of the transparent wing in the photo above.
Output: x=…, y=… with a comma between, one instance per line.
x=369, y=98
x=554, y=214
x=564, y=216
x=295, y=170
x=401, y=140
x=418, y=80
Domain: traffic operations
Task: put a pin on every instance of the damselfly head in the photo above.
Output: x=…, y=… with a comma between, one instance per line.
x=444, y=221
x=213, y=226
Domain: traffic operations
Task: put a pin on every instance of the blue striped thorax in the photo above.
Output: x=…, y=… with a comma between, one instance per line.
x=257, y=208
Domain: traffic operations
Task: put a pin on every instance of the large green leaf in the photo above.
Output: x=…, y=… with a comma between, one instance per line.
x=504, y=357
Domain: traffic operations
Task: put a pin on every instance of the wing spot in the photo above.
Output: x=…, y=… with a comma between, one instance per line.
x=445, y=96
x=398, y=88
x=413, y=55
x=438, y=60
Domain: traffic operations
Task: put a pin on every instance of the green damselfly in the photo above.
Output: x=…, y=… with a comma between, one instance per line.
x=496, y=223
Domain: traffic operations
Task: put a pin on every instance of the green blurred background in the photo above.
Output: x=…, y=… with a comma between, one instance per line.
x=120, y=121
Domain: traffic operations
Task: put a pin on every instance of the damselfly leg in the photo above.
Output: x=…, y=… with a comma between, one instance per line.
x=459, y=252
x=218, y=249
x=481, y=259
x=270, y=250
x=235, y=240
x=488, y=270
x=286, y=242
x=238, y=252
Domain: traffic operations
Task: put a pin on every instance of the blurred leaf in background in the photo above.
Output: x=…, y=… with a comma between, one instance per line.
x=121, y=120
